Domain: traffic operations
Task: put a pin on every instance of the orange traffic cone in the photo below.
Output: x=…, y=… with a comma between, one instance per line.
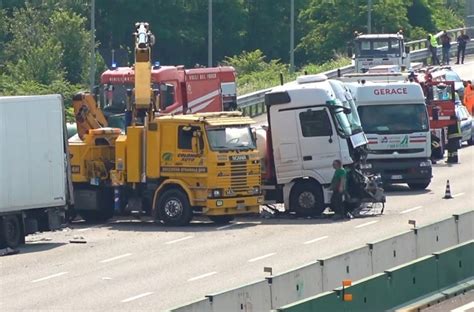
x=447, y=193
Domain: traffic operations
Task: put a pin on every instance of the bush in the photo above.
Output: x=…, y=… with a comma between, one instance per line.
x=254, y=73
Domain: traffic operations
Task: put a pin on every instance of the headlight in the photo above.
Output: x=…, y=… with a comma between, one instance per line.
x=425, y=164
x=215, y=193
x=256, y=190
x=219, y=202
x=366, y=166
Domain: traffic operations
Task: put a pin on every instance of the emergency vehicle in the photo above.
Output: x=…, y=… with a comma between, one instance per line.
x=180, y=90
x=395, y=120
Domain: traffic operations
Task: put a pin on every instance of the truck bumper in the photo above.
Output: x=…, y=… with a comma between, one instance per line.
x=233, y=206
x=401, y=170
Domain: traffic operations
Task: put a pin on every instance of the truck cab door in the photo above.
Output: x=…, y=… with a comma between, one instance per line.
x=319, y=143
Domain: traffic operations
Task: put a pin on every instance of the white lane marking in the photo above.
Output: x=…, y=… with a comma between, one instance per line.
x=315, y=240
x=365, y=224
x=411, y=209
x=227, y=226
x=465, y=307
x=458, y=194
x=136, y=297
x=262, y=257
x=83, y=230
x=179, y=239
x=49, y=277
x=201, y=276
x=116, y=258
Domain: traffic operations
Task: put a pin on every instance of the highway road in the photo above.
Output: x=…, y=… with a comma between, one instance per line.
x=129, y=264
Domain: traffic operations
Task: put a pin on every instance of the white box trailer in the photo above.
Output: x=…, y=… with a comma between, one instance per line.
x=34, y=170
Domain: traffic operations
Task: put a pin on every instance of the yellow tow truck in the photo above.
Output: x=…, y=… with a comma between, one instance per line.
x=169, y=166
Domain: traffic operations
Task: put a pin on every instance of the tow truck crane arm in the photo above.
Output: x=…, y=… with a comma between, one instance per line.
x=87, y=114
x=144, y=99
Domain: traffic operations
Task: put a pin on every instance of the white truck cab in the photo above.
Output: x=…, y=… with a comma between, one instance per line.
x=396, y=122
x=380, y=49
x=310, y=125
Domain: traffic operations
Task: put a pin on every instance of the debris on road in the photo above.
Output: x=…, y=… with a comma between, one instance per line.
x=78, y=240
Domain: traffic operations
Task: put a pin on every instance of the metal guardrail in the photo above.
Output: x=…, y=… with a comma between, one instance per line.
x=252, y=104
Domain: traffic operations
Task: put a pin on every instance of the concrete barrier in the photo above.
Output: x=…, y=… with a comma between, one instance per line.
x=393, y=251
x=399, y=286
x=436, y=236
x=353, y=265
x=248, y=298
x=465, y=226
x=296, y=284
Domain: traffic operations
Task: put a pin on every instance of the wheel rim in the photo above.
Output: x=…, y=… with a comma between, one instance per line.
x=173, y=208
x=307, y=200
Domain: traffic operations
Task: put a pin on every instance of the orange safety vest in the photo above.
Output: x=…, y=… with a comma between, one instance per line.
x=469, y=98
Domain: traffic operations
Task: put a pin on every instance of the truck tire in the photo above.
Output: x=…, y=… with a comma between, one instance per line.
x=221, y=219
x=419, y=186
x=306, y=199
x=173, y=208
x=11, y=232
x=471, y=140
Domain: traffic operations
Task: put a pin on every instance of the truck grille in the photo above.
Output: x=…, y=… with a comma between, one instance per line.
x=238, y=176
x=243, y=176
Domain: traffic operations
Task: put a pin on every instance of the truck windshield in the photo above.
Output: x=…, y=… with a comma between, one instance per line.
x=115, y=96
x=230, y=138
x=378, y=47
x=394, y=119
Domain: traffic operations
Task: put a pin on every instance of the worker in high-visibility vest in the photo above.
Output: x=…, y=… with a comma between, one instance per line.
x=433, y=47
x=468, y=96
x=454, y=138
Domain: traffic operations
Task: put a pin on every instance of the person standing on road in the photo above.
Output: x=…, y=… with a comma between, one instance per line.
x=446, y=46
x=462, y=40
x=338, y=186
x=433, y=47
x=468, y=96
x=454, y=142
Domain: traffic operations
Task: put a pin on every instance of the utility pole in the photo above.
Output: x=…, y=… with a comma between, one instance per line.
x=369, y=17
x=209, y=30
x=92, y=68
x=292, y=37
x=470, y=17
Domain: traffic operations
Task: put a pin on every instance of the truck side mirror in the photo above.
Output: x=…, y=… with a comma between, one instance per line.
x=197, y=142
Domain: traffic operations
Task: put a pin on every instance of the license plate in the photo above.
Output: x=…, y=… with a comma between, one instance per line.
x=240, y=206
x=396, y=177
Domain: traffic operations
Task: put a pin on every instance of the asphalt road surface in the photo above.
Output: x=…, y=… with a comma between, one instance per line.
x=137, y=265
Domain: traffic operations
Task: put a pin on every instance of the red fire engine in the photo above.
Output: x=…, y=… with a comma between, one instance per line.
x=180, y=90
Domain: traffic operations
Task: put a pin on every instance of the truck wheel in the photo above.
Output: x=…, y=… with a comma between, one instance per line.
x=307, y=199
x=419, y=186
x=221, y=219
x=174, y=208
x=11, y=232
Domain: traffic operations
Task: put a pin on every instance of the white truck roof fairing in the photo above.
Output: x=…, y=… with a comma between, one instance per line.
x=387, y=93
x=380, y=36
